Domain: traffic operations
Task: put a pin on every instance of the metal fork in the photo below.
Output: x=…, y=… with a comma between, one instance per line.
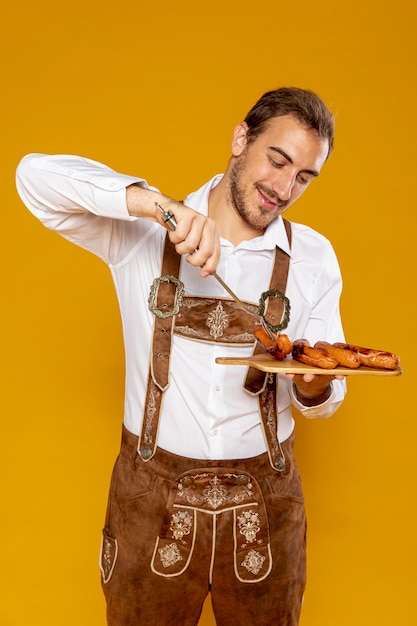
x=169, y=219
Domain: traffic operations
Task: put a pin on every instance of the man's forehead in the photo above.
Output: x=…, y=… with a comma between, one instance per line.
x=289, y=136
x=286, y=123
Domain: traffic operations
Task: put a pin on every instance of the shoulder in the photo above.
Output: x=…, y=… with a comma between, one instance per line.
x=304, y=236
x=311, y=249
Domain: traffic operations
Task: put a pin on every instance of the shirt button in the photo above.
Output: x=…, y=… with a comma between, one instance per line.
x=217, y=387
x=112, y=183
x=215, y=431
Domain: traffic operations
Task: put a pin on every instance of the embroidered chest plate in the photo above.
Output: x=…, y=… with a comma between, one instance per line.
x=214, y=320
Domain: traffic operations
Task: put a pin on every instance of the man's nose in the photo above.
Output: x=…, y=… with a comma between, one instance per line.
x=283, y=185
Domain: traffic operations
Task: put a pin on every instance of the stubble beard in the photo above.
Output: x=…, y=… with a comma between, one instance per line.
x=259, y=217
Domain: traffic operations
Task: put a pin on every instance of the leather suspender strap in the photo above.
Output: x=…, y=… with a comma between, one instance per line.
x=165, y=295
x=266, y=384
x=255, y=379
x=269, y=420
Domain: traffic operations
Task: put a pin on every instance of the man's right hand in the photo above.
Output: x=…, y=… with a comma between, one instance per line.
x=195, y=235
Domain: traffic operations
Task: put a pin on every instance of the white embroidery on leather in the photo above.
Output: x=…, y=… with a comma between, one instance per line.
x=217, y=321
x=269, y=409
x=253, y=562
x=249, y=525
x=169, y=555
x=108, y=557
x=150, y=414
x=202, y=335
x=215, y=494
x=181, y=524
x=191, y=303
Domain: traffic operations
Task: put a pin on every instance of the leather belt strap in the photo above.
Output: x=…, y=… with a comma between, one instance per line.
x=158, y=378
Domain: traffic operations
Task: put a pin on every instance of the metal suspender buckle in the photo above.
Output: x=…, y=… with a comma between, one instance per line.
x=164, y=312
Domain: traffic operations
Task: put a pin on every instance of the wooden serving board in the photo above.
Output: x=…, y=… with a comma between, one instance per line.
x=268, y=363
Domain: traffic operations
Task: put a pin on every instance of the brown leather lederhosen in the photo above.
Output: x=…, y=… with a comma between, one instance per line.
x=226, y=523
x=215, y=320
x=178, y=527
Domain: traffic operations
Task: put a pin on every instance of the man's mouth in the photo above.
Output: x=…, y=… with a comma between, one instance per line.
x=268, y=201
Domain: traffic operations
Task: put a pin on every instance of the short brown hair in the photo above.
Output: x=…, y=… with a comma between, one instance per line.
x=304, y=105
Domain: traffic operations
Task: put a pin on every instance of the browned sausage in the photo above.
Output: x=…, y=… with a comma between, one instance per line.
x=371, y=357
x=303, y=352
x=346, y=358
x=284, y=344
x=279, y=347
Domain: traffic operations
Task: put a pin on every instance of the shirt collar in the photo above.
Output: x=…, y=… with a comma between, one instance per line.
x=275, y=234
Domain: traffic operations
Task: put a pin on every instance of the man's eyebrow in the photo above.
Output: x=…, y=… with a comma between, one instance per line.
x=289, y=159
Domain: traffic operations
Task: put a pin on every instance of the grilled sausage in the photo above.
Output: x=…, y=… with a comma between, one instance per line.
x=345, y=358
x=303, y=352
x=278, y=348
x=371, y=357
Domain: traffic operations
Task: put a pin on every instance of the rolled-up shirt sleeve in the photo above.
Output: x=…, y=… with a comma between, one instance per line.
x=321, y=290
x=325, y=409
x=81, y=199
x=67, y=183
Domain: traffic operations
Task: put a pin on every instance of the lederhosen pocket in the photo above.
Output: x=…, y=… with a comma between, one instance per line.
x=207, y=492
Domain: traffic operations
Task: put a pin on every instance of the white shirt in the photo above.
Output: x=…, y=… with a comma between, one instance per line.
x=206, y=412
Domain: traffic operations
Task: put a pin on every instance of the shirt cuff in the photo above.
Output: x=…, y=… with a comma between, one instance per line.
x=325, y=409
x=110, y=196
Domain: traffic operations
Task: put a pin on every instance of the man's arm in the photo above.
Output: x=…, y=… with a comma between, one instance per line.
x=312, y=391
x=91, y=205
x=321, y=395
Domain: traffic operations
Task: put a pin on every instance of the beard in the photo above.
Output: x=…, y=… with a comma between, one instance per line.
x=258, y=217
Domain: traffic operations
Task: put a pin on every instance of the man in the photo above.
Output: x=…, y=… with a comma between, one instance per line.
x=205, y=495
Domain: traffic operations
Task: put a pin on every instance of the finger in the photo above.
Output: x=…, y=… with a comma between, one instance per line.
x=210, y=264
x=308, y=378
x=207, y=253
x=188, y=235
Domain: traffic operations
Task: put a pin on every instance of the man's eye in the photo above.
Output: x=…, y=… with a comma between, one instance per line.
x=304, y=180
x=275, y=163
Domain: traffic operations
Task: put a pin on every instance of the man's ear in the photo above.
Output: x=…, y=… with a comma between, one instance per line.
x=239, y=139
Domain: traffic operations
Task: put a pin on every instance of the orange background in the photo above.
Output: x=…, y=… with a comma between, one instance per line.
x=155, y=89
